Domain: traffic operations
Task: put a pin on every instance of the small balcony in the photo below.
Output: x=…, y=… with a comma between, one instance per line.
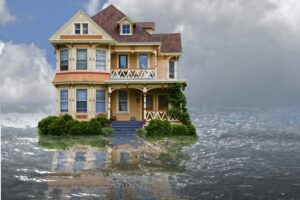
x=134, y=74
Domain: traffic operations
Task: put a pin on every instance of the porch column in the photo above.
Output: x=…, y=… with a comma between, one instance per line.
x=109, y=103
x=144, y=107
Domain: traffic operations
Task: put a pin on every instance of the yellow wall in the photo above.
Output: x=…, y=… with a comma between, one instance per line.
x=135, y=107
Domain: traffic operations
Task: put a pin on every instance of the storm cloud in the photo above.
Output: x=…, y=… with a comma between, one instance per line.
x=235, y=52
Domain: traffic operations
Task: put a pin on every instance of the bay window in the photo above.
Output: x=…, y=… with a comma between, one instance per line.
x=63, y=101
x=100, y=101
x=101, y=60
x=81, y=100
x=81, y=59
x=64, y=60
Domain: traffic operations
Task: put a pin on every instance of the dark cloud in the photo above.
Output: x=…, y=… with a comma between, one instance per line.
x=235, y=52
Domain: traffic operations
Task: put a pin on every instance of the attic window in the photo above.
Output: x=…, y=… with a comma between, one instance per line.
x=126, y=29
x=85, y=29
x=77, y=29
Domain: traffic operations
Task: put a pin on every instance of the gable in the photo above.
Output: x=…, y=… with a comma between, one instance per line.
x=67, y=31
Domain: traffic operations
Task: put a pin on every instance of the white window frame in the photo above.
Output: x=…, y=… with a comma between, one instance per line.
x=128, y=102
x=138, y=60
x=121, y=29
x=105, y=99
x=81, y=28
x=128, y=60
x=60, y=90
x=87, y=58
x=87, y=100
x=59, y=59
x=175, y=69
x=106, y=59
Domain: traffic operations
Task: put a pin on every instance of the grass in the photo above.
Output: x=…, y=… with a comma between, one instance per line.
x=172, y=159
x=62, y=142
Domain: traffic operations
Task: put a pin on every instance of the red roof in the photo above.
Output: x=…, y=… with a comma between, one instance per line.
x=93, y=77
x=108, y=18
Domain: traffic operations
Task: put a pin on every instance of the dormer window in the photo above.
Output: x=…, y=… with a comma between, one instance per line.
x=125, y=29
x=81, y=28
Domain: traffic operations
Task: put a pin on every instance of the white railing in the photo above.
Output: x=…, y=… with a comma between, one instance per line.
x=149, y=115
x=133, y=73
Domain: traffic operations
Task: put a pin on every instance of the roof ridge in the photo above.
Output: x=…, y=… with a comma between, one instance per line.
x=109, y=7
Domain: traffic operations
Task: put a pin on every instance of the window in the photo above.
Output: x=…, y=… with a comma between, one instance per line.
x=162, y=102
x=77, y=28
x=126, y=29
x=149, y=102
x=64, y=57
x=123, y=101
x=81, y=100
x=64, y=101
x=85, y=28
x=101, y=60
x=100, y=101
x=123, y=61
x=171, y=69
x=81, y=62
x=143, y=61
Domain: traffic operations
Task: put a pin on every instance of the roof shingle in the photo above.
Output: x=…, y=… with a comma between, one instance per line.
x=108, y=18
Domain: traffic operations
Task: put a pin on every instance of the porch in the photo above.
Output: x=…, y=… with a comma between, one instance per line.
x=132, y=103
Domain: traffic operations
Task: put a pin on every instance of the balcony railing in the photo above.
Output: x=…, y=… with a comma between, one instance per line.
x=149, y=115
x=134, y=74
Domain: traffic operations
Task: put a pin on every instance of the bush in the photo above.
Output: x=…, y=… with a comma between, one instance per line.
x=57, y=127
x=158, y=127
x=43, y=125
x=180, y=130
x=104, y=122
x=107, y=131
x=67, y=117
x=93, y=127
x=191, y=128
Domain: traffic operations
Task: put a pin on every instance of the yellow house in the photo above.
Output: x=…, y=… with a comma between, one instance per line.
x=110, y=65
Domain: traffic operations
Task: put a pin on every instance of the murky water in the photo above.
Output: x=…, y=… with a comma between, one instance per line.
x=240, y=154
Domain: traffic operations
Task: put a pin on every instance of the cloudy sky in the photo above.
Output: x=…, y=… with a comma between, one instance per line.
x=235, y=52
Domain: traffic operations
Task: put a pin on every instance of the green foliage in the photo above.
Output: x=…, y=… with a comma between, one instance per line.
x=104, y=122
x=66, y=125
x=192, y=129
x=43, y=125
x=178, y=111
x=180, y=130
x=62, y=142
x=107, y=131
x=158, y=127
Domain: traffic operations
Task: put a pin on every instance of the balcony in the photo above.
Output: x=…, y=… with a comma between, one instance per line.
x=136, y=74
x=149, y=115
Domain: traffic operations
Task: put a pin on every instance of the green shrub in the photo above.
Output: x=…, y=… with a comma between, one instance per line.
x=67, y=117
x=158, y=127
x=57, y=127
x=43, y=125
x=93, y=128
x=191, y=128
x=107, y=131
x=180, y=129
x=104, y=122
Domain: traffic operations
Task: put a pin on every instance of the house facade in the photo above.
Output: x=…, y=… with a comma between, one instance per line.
x=110, y=65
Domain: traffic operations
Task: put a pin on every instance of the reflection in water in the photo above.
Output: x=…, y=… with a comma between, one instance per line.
x=120, y=172
x=240, y=154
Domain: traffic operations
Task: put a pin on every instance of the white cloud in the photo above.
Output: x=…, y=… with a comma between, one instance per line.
x=5, y=15
x=234, y=51
x=25, y=79
x=92, y=7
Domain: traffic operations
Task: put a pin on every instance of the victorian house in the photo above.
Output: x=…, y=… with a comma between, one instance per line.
x=111, y=65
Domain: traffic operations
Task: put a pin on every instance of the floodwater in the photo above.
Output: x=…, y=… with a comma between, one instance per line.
x=240, y=154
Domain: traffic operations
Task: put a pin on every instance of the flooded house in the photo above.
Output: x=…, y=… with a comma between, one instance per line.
x=112, y=65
